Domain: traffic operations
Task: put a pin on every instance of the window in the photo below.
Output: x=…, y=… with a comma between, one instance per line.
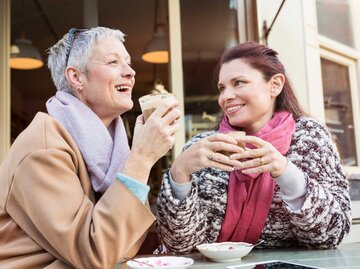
x=338, y=108
x=200, y=55
x=339, y=29
x=340, y=78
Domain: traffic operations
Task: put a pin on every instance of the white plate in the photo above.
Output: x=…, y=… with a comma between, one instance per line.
x=169, y=262
x=225, y=251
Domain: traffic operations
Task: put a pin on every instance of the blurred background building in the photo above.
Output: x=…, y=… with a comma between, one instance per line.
x=318, y=41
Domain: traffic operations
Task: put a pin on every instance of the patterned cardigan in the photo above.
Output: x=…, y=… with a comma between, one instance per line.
x=322, y=222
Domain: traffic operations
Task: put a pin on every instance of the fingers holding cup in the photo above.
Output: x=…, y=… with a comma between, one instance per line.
x=149, y=103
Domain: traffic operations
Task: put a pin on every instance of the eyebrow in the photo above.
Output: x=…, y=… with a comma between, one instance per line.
x=235, y=78
x=127, y=57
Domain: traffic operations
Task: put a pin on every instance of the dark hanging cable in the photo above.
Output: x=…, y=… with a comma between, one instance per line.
x=46, y=19
x=267, y=30
x=156, y=15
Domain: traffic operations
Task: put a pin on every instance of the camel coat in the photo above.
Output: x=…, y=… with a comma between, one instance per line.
x=49, y=216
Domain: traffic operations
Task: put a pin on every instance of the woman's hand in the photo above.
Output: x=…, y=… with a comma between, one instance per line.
x=205, y=153
x=152, y=139
x=264, y=158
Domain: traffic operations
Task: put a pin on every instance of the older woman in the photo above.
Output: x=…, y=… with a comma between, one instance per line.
x=72, y=193
x=287, y=188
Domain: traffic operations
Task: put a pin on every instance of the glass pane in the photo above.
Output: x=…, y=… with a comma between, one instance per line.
x=31, y=88
x=27, y=19
x=44, y=22
x=149, y=14
x=334, y=20
x=338, y=108
x=200, y=53
x=139, y=33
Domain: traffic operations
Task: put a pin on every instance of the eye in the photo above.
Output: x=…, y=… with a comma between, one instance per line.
x=221, y=89
x=238, y=82
x=113, y=61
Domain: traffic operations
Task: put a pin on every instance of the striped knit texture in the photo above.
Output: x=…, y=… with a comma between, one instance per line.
x=322, y=222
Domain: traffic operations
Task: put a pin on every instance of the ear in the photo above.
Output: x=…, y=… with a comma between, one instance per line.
x=277, y=83
x=74, y=77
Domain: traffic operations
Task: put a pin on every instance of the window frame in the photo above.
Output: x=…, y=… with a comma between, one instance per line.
x=345, y=55
x=351, y=65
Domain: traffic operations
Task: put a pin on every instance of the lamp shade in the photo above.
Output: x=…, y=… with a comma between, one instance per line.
x=23, y=55
x=157, y=50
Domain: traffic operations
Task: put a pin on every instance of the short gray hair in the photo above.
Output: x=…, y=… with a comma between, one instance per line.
x=76, y=54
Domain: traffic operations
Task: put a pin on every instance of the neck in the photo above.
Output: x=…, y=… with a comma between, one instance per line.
x=256, y=127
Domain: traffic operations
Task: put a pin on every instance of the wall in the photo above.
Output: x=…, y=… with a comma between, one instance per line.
x=293, y=36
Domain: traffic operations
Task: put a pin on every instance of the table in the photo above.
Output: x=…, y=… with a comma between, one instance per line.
x=345, y=257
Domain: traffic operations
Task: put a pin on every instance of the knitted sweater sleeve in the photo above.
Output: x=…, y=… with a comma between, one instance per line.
x=182, y=225
x=325, y=216
x=321, y=222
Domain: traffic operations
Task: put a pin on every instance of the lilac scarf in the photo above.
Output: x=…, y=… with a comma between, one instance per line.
x=104, y=150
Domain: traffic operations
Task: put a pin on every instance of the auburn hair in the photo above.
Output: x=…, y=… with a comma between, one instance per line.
x=265, y=60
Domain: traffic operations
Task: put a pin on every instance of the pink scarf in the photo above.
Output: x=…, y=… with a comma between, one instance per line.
x=250, y=196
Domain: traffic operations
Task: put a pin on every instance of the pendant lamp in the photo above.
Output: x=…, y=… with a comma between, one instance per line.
x=24, y=56
x=157, y=50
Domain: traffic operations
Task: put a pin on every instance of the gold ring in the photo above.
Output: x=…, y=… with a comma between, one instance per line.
x=261, y=161
x=212, y=157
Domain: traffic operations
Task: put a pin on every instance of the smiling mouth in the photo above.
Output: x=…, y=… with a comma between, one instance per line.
x=123, y=88
x=233, y=108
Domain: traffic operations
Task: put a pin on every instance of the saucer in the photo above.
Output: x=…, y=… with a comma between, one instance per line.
x=161, y=262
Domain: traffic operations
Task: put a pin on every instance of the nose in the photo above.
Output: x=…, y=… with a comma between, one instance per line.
x=228, y=93
x=128, y=71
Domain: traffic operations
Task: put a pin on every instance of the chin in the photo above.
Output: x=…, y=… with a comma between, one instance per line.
x=236, y=123
x=126, y=107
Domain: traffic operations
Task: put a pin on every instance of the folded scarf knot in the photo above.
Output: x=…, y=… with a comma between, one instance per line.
x=250, y=195
x=104, y=150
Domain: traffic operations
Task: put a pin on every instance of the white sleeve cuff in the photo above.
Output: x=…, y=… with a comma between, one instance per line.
x=293, y=186
x=180, y=190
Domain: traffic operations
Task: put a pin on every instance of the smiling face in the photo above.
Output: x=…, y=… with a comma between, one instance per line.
x=245, y=97
x=108, y=80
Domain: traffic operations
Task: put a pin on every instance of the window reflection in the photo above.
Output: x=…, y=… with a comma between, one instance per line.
x=30, y=89
x=334, y=20
x=201, y=50
x=338, y=108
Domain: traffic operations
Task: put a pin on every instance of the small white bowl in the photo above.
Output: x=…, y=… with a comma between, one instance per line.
x=225, y=251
